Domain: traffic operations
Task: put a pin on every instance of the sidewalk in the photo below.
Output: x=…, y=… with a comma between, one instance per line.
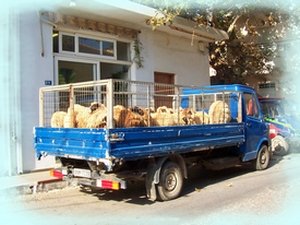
x=31, y=182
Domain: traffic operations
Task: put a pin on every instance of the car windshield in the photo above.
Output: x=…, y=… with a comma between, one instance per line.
x=282, y=110
x=272, y=109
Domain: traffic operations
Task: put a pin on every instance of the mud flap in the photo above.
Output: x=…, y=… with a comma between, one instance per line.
x=152, y=178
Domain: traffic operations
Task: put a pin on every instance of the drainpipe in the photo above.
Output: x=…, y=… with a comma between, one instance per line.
x=10, y=122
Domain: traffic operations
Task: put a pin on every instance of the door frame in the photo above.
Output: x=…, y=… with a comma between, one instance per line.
x=163, y=101
x=254, y=128
x=96, y=68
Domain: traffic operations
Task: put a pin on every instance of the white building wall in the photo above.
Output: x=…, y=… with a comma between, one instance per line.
x=171, y=54
x=161, y=53
x=10, y=137
x=34, y=70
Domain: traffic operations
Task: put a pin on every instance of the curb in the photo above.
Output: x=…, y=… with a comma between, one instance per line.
x=36, y=187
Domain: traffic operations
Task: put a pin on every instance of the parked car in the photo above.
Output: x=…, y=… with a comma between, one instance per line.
x=284, y=123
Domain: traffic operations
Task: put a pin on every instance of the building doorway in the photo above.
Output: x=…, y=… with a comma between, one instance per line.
x=164, y=93
x=164, y=78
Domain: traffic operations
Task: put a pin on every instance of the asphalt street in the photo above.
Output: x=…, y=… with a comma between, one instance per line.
x=233, y=196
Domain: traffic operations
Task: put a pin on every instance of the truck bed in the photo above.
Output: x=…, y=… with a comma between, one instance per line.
x=135, y=143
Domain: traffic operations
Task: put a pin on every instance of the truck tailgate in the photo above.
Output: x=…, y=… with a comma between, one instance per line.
x=71, y=142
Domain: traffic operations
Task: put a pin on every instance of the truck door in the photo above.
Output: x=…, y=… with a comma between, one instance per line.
x=255, y=127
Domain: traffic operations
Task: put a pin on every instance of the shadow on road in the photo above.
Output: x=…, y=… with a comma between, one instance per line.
x=135, y=194
x=198, y=179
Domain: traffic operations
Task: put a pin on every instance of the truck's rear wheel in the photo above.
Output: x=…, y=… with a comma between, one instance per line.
x=263, y=158
x=170, y=181
x=279, y=145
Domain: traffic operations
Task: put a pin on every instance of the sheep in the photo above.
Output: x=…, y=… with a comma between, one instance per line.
x=95, y=105
x=57, y=119
x=219, y=112
x=201, y=117
x=138, y=110
x=134, y=119
x=131, y=117
x=97, y=117
x=186, y=116
x=119, y=115
x=140, y=116
x=146, y=113
x=78, y=116
x=189, y=116
x=164, y=116
x=69, y=120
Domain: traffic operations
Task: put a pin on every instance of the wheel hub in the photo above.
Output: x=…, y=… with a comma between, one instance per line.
x=171, y=182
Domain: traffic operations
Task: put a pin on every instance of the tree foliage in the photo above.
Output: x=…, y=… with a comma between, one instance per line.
x=255, y=33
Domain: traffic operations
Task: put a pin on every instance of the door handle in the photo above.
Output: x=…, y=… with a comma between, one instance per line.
x=249, y=124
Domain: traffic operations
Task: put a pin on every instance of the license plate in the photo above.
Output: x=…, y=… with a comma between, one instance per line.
x=82, y=173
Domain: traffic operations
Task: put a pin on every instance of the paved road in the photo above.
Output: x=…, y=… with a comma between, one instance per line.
x=233, y=196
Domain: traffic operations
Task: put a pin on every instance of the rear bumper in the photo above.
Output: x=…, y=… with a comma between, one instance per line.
x=85, y=177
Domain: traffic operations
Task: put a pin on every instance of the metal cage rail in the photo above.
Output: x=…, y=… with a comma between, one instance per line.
x=122, y=103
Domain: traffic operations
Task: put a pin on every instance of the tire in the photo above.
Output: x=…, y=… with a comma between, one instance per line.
x=263, y=158
x=170, y=181
x=280, y=146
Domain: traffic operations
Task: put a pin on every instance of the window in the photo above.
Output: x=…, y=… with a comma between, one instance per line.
x=55, y=41
x=108, y=48
x=68, y=43
x=266, y=85
x=75, y=53
x=90, y=46
x=81, y=44
x=115, y=71
x=251, y=105
x=123, y=51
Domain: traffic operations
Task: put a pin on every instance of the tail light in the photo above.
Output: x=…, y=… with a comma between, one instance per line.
x=107, y=184
x=272, y=131
x=56, y=173
x=111, y=184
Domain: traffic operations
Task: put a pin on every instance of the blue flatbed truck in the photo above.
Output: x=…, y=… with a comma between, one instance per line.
x=109, y=157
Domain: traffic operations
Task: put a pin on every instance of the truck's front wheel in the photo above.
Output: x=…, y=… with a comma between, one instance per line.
x=170, y=181
x=263, y=158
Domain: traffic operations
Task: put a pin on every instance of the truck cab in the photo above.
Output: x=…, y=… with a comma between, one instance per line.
x=245, y=108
